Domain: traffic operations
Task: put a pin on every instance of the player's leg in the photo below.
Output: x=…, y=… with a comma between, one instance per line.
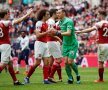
x=56, y=53
x=38, y=56
x=68, y=71
x=51, y=61
x=20, y=57
x=46, y=70
x=2, y=66
x=100, y=72
x=102, y=56
x=26, y=54
x=54, y=68
x=5, y=58
x=75, y=69
x=31, y=70
x=11, y=71
x=59, y=70
x=71, y=57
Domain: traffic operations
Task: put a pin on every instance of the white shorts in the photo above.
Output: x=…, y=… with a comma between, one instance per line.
x=102, y=52
x=5, y=50
x=54, y=49
x=41, y=49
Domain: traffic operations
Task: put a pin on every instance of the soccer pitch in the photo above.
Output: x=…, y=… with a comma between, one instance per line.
x=88, y=75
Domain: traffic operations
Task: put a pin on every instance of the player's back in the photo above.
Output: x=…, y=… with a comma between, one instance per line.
x=4, y=32
x=102, y=28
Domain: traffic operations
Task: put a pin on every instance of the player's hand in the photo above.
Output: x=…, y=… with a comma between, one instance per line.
x=77, y=32
x=52, y=32
x=29, y=11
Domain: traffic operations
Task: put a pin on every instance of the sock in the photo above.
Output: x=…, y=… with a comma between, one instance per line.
x=53, y=70
x=68, y=71
x=49, y=70
x=31, y=70
x=11, y=71
x=45, y=72
x=17, y=67
x=101, y=71
x=27, y=66
x=1, y=68
x=75, y=69
x=59, y=71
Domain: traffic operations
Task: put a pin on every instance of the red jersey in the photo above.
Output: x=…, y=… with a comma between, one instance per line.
x=42, y=27
x=102, y=28
x=4, y=32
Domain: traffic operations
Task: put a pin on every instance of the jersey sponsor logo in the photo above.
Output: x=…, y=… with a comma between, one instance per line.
x=69, y=26
x=72, y=53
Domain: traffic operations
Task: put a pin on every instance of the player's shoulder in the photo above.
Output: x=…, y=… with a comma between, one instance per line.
x=102, y=22
x=51, y=20
x=5, y=22
x=39, y=23
x=68, y=19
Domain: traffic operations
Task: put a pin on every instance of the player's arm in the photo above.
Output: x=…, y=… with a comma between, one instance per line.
x=86, y=30
x=70, y=28
x=38, y=34
x=67, y=33
x=15, y=21
x=57, y=38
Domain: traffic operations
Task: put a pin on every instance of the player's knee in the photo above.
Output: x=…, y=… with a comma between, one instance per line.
x=101, y=64
x=37, y=63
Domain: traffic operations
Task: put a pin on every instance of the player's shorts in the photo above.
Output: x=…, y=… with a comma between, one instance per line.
x=41, y=49
x=5, y=50
x=102, y=52
x=54, y=49
x=70, y=51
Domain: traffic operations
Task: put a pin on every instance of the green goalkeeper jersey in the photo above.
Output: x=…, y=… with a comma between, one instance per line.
x=67, y=24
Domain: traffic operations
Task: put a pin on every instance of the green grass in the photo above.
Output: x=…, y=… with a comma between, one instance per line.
x=88, y=75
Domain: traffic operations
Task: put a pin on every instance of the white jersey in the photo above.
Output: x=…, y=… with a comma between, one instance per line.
x=53, y=46
x=51, y=23
x=24, y=42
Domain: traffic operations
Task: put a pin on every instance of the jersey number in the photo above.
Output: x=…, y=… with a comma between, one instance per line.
x=106, y=32
x=1, y=33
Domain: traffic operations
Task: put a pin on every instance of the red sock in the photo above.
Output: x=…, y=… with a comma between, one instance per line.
x=45, y=72
x=49, y=70
x=1, y=68
x=59, y=71
x=101, y=71
x=31, y=70
x=53, y=70
x=11, y=71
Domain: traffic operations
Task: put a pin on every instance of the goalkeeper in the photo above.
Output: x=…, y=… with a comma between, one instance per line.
x=69, y=45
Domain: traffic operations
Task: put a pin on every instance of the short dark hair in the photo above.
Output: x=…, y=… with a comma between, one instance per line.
x=63, y=10
x=103, y=12
x=52, y=11
x=41, y=14
x=3, y=13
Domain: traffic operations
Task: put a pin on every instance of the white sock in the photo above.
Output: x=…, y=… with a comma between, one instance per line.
x=27, y=67
x=17, y=67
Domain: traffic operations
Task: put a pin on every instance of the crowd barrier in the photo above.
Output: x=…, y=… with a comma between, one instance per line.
x=87, y=61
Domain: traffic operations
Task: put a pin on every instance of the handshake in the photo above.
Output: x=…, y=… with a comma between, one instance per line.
x=53, y=32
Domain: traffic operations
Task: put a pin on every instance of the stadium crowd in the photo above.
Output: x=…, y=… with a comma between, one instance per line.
x=24, y=37
x=83, y=16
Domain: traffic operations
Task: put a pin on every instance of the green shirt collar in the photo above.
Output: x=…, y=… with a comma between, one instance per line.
x=62, y=20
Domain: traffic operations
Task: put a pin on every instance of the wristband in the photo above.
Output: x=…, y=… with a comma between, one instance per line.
x=58, y=34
